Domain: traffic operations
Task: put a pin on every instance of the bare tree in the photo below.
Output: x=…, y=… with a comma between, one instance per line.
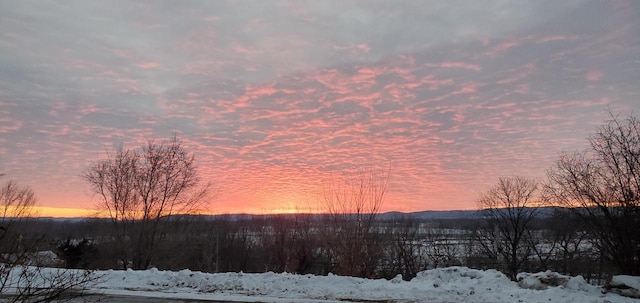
x=443, y=249
x=22, y=279
x=140, y=188
x=509, y=209
x=353, y=205
x=113, y=181
x=602, y=185
x=567, y=232
x=289, y=240
x=406, y=254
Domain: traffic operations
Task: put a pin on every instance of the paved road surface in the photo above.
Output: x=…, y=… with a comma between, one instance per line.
x=131, y=299
x=142, y=299
x=136, y=299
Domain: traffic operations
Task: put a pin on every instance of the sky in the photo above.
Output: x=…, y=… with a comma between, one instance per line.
x=274, y=98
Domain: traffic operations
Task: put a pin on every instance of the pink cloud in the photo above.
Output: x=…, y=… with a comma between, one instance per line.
x=9, y=125
x=88, y=109
x=364, y=47
x=430, y=81
x=257, y=91
x=121, y=52
x=149, y=65
x=243, y=50
x=523, y=88
x=469, y=66
x=467, y=88
x=336, y=81
x=399, y=93
x=557, y=38
x=212, y=19
x=502, y=47
x=518, y=73
x=593, y=75
x=353, y=49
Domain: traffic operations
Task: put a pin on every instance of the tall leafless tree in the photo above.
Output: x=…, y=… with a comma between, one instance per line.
x=602, y=185
x=140, y=188
x=509, y=208
x=353, y=206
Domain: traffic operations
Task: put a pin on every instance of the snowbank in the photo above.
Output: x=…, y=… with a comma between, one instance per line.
x=544, y=280
x=628, y=286
x=453, y=284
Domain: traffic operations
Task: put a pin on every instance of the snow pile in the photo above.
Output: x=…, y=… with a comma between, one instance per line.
x=461, y=281
x=453, y=284
x=544, y=280
x=628, y=286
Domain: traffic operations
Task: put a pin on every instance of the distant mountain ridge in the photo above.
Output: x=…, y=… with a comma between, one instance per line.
x=544, y=212
x=433, y=215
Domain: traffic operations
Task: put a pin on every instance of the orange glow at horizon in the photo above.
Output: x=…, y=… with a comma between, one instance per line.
x=62, y=212
x=276, y=208
x=273, y=198
x=55, y=212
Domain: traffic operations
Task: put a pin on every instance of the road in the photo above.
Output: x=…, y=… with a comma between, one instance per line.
x=138, y=299
x=175, y=298
x=132, y=299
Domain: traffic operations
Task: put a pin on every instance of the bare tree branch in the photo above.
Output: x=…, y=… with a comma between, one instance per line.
x=139, y=189
x=602, y=186
x=509, y=208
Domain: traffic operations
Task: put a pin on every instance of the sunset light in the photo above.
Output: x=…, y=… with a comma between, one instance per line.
x=57, y=212
x=273, y=98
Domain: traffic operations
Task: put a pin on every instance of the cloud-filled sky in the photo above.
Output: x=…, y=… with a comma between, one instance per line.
x=274, y=97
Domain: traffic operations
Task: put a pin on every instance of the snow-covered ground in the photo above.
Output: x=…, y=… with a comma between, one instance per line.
x=453, y=284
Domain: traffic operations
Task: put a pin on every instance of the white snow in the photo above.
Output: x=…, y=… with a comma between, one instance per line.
x=631, y=281
x=452, y=284
x=628, y=286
